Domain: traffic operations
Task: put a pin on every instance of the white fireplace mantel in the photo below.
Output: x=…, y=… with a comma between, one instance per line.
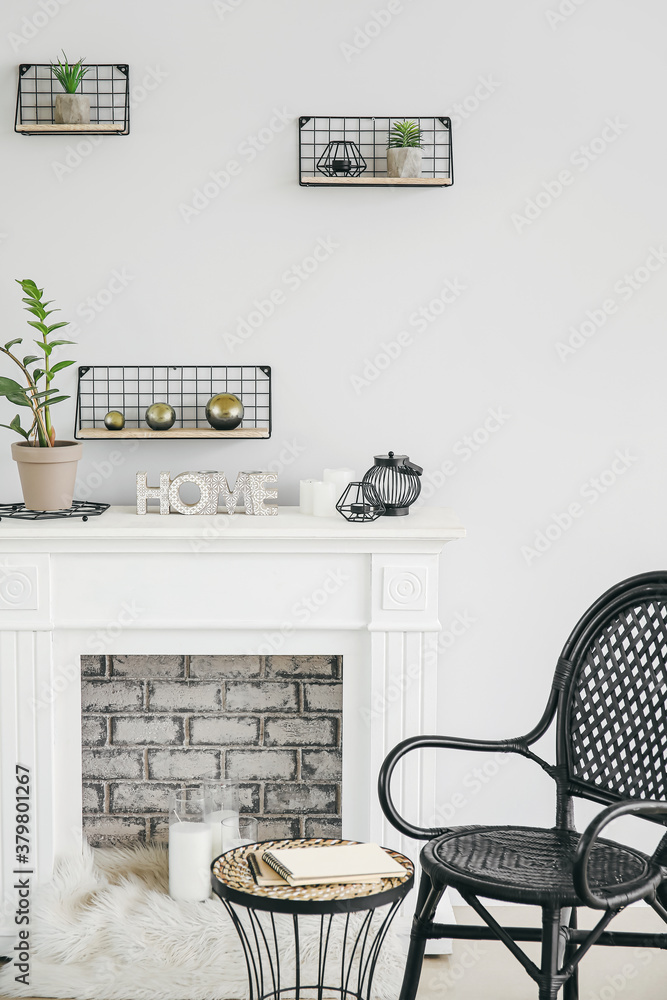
x=288, y=584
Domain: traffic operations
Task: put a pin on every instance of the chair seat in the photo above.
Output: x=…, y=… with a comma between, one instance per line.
x=521, y=864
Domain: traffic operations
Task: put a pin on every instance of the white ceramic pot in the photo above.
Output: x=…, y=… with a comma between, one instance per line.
x=47, y=475
x=404, y=161
x=72, y=109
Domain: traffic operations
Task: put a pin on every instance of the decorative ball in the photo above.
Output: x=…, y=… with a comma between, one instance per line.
x=160, y=416
x=224, y=411
x=114, y=420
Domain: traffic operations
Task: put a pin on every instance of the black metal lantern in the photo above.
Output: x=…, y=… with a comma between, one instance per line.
x=360, y=502
x=396, y=481
x=341, y=159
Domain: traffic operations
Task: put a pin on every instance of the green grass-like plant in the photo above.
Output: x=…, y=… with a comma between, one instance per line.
x=405, y=133
x=69, y=75
x=36, y=372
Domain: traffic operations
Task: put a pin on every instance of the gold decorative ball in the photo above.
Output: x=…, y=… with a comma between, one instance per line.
x=114, y=420
x=160, y=416
x=224, y=412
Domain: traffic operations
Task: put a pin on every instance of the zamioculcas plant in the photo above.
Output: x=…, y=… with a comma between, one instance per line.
x=404, y=157
x=36, y=394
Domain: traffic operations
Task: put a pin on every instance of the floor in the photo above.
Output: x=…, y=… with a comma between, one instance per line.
x=484, y=970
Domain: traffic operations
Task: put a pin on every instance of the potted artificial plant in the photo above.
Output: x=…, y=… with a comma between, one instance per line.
x=47, y=467
x=70, y=108
x=404, y=150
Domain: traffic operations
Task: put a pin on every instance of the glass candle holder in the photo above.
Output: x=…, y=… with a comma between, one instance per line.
x=239, y=831
x=190, y=841
x=221, y=802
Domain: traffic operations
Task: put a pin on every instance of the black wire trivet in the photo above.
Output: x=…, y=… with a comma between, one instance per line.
x=79, y=508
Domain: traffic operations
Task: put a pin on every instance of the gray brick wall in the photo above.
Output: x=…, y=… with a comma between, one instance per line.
x=153, y=723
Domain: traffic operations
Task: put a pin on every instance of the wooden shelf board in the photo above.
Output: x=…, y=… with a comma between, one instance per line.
x=101, y=433
x=397, y=181
x=92, y=127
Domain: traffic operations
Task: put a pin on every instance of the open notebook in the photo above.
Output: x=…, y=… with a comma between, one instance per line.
x=333, y=865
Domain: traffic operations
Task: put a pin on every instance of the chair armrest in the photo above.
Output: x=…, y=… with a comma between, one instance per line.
x=639, y=888
x=519, y=746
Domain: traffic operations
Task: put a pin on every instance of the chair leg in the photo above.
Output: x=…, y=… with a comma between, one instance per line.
x=551, y=939
x=427, y=902
x=571, y=990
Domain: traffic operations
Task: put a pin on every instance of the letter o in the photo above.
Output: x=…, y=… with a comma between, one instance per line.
x=549, y=532
x=372, y=29
x=211, y=190
x=545, y=200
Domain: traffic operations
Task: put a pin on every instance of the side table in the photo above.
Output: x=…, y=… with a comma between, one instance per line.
x=354, y=942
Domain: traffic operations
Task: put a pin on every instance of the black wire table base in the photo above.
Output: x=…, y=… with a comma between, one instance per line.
x=345, y=971
x=79, y=508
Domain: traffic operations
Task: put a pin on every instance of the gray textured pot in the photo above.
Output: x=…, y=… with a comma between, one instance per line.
x=47, y=475
x=404, y=161
x=72, y=109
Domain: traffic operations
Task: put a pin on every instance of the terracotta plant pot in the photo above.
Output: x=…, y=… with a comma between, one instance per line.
x=404, y=161
x=47, y=474
x=72, y=109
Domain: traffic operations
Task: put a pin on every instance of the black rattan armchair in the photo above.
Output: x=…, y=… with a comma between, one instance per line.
x=609, y=695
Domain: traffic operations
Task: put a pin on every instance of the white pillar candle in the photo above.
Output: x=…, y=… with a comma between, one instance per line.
x=340, y=478
x=306, y=495
x=190, y=861
x=324, y=499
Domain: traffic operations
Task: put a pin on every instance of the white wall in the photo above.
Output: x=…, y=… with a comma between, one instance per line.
x=552, y=82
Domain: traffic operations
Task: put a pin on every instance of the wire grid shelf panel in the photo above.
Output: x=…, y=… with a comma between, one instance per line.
x=131, y=389
x=371, y=135
x=106, y=84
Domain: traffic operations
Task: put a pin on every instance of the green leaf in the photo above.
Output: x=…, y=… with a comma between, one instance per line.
x=60, y=365
x=19, y=340
x=20, y=399
x=8, y=385
x=47, y=348
x=56, y=326
x=50, y=402
x=38, y=373
x=44, y=392
x=38, y=326
x=59, y=343
x=29, y=358
x=16, y=427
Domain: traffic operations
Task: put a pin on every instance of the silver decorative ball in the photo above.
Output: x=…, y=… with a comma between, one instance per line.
x=114, y=420
x=160, y=416
x=224, y=412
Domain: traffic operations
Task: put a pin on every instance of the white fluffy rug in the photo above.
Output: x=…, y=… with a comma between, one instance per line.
x=104, y=928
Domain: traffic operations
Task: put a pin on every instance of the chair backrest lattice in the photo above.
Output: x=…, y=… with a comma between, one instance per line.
x=617, y=705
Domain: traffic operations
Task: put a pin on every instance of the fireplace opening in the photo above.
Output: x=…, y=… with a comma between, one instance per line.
x=151, y=724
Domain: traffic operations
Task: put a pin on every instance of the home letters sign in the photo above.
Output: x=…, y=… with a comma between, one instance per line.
x=214, y=490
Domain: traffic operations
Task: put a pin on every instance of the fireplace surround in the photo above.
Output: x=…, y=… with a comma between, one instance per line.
x=291, y=585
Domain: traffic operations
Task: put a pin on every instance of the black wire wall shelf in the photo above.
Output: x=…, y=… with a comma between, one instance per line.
x=352, y=152
x=106, y=84
x=131, y=389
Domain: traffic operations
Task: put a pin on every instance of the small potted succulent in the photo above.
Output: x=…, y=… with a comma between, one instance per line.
x=70, y=108
x=404, y=150
x=47, y=466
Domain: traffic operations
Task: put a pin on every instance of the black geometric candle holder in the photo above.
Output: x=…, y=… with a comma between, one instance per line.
x=341, y=159
x=360, y=502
